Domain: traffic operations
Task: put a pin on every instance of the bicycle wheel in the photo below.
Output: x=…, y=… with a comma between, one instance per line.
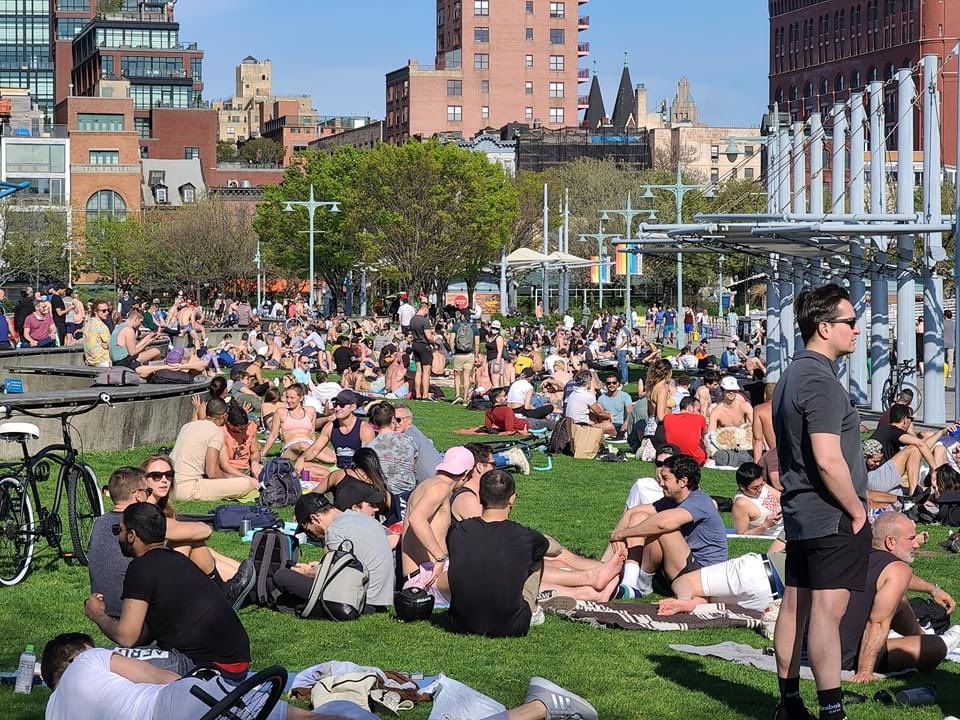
x=887, y=394
x=253, y=699
x=84, y=506
x=16, y=531
x=917, y=401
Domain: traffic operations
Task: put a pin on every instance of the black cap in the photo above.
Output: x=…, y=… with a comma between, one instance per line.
x=355, y=493
x=306, y=506
x=346, y=397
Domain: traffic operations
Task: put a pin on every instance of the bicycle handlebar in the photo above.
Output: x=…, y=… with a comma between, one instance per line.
x=102, y=399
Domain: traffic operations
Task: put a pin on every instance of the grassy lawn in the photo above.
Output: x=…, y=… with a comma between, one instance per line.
x=628, y=675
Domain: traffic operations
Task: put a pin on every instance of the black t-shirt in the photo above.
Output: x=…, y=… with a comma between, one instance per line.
x=489, y=563
x=342, y=357
x=418, y=329
x=187, y=610
x=56, y=303
x=889, y=436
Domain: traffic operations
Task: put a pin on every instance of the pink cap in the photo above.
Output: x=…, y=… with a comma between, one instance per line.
x=456, y=461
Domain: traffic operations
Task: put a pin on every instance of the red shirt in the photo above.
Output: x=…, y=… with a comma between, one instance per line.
x=685, y=430
x=501, y=417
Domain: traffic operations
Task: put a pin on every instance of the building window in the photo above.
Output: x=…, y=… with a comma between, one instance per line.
x=748, y=173
x=529, y=61
x=529, y=7
x=528, y=113
x=557, y=9
x=556, y=36
x=484, y=112
x=481, y=61
x=556, y=115
x=481, y=7
x=557, y=63
x=454, y=88
x=748, y=150
x=99, y=122
x=529, y=34
x=528, y=87
x=144, y=151
x=454, y=113
x=556, y=89
x=714, y=152
x=104, y=157
x=191, y=153
x=188, y=193
x=106, y=202
x=231, y=131
x=441, y=19
x=484, y=87
x=481, y=34
x=160, y=193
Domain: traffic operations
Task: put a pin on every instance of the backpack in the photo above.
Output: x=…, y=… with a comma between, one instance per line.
x=948, y=508
x=229, y=517
x=463, y=341
x=270, y=550
x=116, y=376
x=561, y=439
x=930, y=615
x=339, y=590
x=170, y=377
x=279, y=483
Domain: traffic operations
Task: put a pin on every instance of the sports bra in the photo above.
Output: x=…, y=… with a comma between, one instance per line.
x=291, y=424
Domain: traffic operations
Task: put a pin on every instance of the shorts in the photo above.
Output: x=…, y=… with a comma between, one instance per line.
x=422, y=352
x=741, y=581
x=688, y=328
x=128, y=362
x=834, y=562
x=886, y=479
x=463, y=362
x=176, y=701
x=662, y=585
x=422, y=578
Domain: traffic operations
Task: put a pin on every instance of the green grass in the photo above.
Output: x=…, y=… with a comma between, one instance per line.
x=626, y=675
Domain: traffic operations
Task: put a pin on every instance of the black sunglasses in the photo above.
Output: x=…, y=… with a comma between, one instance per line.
x=115, y=530
x=157, y=474
x=849, y=322
x=660, y=463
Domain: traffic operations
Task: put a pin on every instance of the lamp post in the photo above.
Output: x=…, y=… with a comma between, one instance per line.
x=258, y=260
x=628, y=214
x=600, y=237
x=679, y=189
x=311, y=205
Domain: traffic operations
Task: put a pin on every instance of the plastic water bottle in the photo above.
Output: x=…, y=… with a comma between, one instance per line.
x=917, y=696
x=25, y=670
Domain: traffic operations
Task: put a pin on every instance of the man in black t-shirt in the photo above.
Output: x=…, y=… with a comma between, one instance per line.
x=58, y=310
x=158, y=580
x=495, y=565
x=421, y=335
x=343, y=355
x=896, y=435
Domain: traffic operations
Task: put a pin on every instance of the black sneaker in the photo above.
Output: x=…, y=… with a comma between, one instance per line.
x=780, y=713
x=240, y=585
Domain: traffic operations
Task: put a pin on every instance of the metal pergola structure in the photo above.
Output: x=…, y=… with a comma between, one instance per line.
x=802, y=244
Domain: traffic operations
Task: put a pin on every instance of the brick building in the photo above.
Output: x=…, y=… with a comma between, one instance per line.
x=290, y=122
x=497, y=62
x=821, y=50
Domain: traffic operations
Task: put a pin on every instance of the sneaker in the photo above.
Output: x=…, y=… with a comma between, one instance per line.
x=561, y=704
x=951, y=637
x=240, y=585
x=780, y=713
x=538, y=617
x=624, y=592
x=518, y=459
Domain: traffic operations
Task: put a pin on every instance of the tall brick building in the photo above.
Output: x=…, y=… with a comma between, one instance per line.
x=497, y=62
x=821, y=50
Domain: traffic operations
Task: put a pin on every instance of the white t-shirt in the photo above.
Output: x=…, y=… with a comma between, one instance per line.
x=518, y=391
x=89, y=691
x=325, y=392
x=406, y=312
x=645, y=491
x=550, y=360
x=277, y=310
x=568, y=322
x=578, y=405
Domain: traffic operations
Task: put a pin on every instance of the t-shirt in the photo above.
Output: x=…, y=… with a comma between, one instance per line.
x=398, y=458
x=96, y=337
x=302, y=376
x=107, y=566
x=502, y=418
x=489, y=563
x=669, y=318
x=809, y=399
x=705, y=534
x=238, y=451
x=342, y=357
x=369, y=540
x=578, y=405
x=418, y=329
x=39, y=328
x=685, y=430
x=616, y=405
x=325, y=392
x=205, y=629
x=428, y=457
x=189, y=452
x=56, y=303
x=889, y=436
x=89, y=691
x=518, y=391
x=405, y=314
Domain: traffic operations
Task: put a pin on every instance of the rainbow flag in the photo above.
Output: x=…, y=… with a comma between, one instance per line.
x=623, y=258
x=597, y=271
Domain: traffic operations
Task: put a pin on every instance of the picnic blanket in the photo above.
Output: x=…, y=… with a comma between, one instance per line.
x=643, y=616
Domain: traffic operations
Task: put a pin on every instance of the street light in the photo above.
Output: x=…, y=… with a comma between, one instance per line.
x=311, y=205
x=258, y=260
x=600, y=236
x=628, y=214
x=679, y=190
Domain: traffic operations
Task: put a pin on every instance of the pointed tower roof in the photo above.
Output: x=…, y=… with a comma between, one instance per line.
x=596, y=112
x=625, y=109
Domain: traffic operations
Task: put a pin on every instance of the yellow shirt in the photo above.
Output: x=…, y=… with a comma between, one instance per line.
x=96, y=337
x=522, y=363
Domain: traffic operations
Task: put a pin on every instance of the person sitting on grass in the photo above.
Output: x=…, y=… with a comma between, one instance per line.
x=365, y=470
x=582, y=406
x=756, y=506
x=241, y=451
x=397, y=452
x=501, y=417
x=686, y=429
x=240, y=389
x=157, y=582
x=522, y=399
x=294, y=423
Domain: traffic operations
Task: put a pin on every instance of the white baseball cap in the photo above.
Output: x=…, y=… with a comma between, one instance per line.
x=729, y=383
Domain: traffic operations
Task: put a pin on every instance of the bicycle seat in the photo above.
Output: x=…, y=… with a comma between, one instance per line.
x=19, y=432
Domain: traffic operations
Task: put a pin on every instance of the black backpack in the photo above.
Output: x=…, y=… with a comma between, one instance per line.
x=279, y=483
x=930, y=615
x=463, y=340
x=948, y=508
x=229, y=517
x=270, y=550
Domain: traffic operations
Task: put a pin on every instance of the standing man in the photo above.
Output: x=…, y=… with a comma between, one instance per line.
x=825, y=484
x=465, y=342
x=58, y=311
x=405, y=313
x=421, y=333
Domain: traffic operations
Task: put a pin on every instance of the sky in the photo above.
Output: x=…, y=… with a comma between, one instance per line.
x=338, y=52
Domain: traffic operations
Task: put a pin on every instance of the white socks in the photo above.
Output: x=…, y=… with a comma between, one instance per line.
x=631, y=573
x=645, y=583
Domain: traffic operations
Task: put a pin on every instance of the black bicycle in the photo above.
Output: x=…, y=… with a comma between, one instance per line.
x=253, y=699
x=23, y=515
x=897, y=383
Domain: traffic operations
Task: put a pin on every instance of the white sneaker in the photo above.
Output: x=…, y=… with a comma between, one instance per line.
x=518, y=459
x=951, y=637
x=561, y=704
x=538, y=617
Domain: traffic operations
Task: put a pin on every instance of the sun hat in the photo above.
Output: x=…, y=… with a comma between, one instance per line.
x=729, y=383
x=872, y=447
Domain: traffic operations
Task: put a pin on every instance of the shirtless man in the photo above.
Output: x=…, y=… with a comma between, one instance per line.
x=733, y=411
x=711, y=378
x=423, y=544
x=763, y=437
x=186, y=320
x=754, y=363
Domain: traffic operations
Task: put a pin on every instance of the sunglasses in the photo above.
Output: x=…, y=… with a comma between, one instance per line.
x=156, y=475
x=115, y=529
x=660, y=463
x=849, y=322
x=612, y=384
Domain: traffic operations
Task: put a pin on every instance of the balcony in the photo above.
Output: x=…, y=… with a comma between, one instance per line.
x=583, y=102
x=583, y=22
x=48, y=131
x=583, y=49
x=104, y=169
x=129, y=17
x=583, y=75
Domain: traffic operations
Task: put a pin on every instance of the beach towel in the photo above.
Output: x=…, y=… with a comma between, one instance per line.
x=643, y=616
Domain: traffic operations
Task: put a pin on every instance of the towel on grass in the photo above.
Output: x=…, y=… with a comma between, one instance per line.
x=643, y=616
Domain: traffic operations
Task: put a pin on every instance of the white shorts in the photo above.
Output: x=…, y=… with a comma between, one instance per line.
x=741, y=581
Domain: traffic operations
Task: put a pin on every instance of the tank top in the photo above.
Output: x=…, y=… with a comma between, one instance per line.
x=858, y=609
x=117, y=351
x=291, y=423
x=767, y=504
x=457, y=493
x=492, y=347
x=345, y=444
x=346, y=482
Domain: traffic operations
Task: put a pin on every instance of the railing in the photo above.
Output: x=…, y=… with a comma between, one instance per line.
x=26, y=64
x=583, y=22
x=98, y=169
x=583, y=74
x=170, y=74
x=47, y=131
x=248, y=166
x=583, y=48
x=150, y=17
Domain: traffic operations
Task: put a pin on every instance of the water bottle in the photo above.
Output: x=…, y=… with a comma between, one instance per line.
x=917, y=696
x=25, y=670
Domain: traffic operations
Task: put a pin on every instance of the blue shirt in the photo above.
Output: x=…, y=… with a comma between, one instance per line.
x=729, y=358
x=616, y=405
x=670, y=317
x=705, y=534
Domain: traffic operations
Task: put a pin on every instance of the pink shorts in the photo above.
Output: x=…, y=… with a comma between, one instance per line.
x=423, y=578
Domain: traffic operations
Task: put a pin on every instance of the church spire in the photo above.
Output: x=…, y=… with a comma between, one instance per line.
x=625, y=108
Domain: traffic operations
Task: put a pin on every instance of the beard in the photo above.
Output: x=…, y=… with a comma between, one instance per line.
x=126, y=548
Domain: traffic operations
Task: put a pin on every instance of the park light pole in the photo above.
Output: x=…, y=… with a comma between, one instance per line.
x=311, y=205
x=600, y=237
x=628, y=214
x=679, y=189
x=258, y=261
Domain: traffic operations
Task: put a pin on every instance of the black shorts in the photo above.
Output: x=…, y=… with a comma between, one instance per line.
x=128, y=362
x=422, y=352
x=834, y=562
x=662, y=585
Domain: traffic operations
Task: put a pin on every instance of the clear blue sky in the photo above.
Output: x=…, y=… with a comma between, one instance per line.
x=339, y=51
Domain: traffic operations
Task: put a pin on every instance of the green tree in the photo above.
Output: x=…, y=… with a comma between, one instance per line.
x=262, y=151
x=226, y=151
x=118, y=249
x=109, y=6
x=33, y=244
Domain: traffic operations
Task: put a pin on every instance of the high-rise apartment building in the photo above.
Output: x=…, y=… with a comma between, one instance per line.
x=822, y=50
x=25, y=58
x=239, y=116
x=497, y=62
